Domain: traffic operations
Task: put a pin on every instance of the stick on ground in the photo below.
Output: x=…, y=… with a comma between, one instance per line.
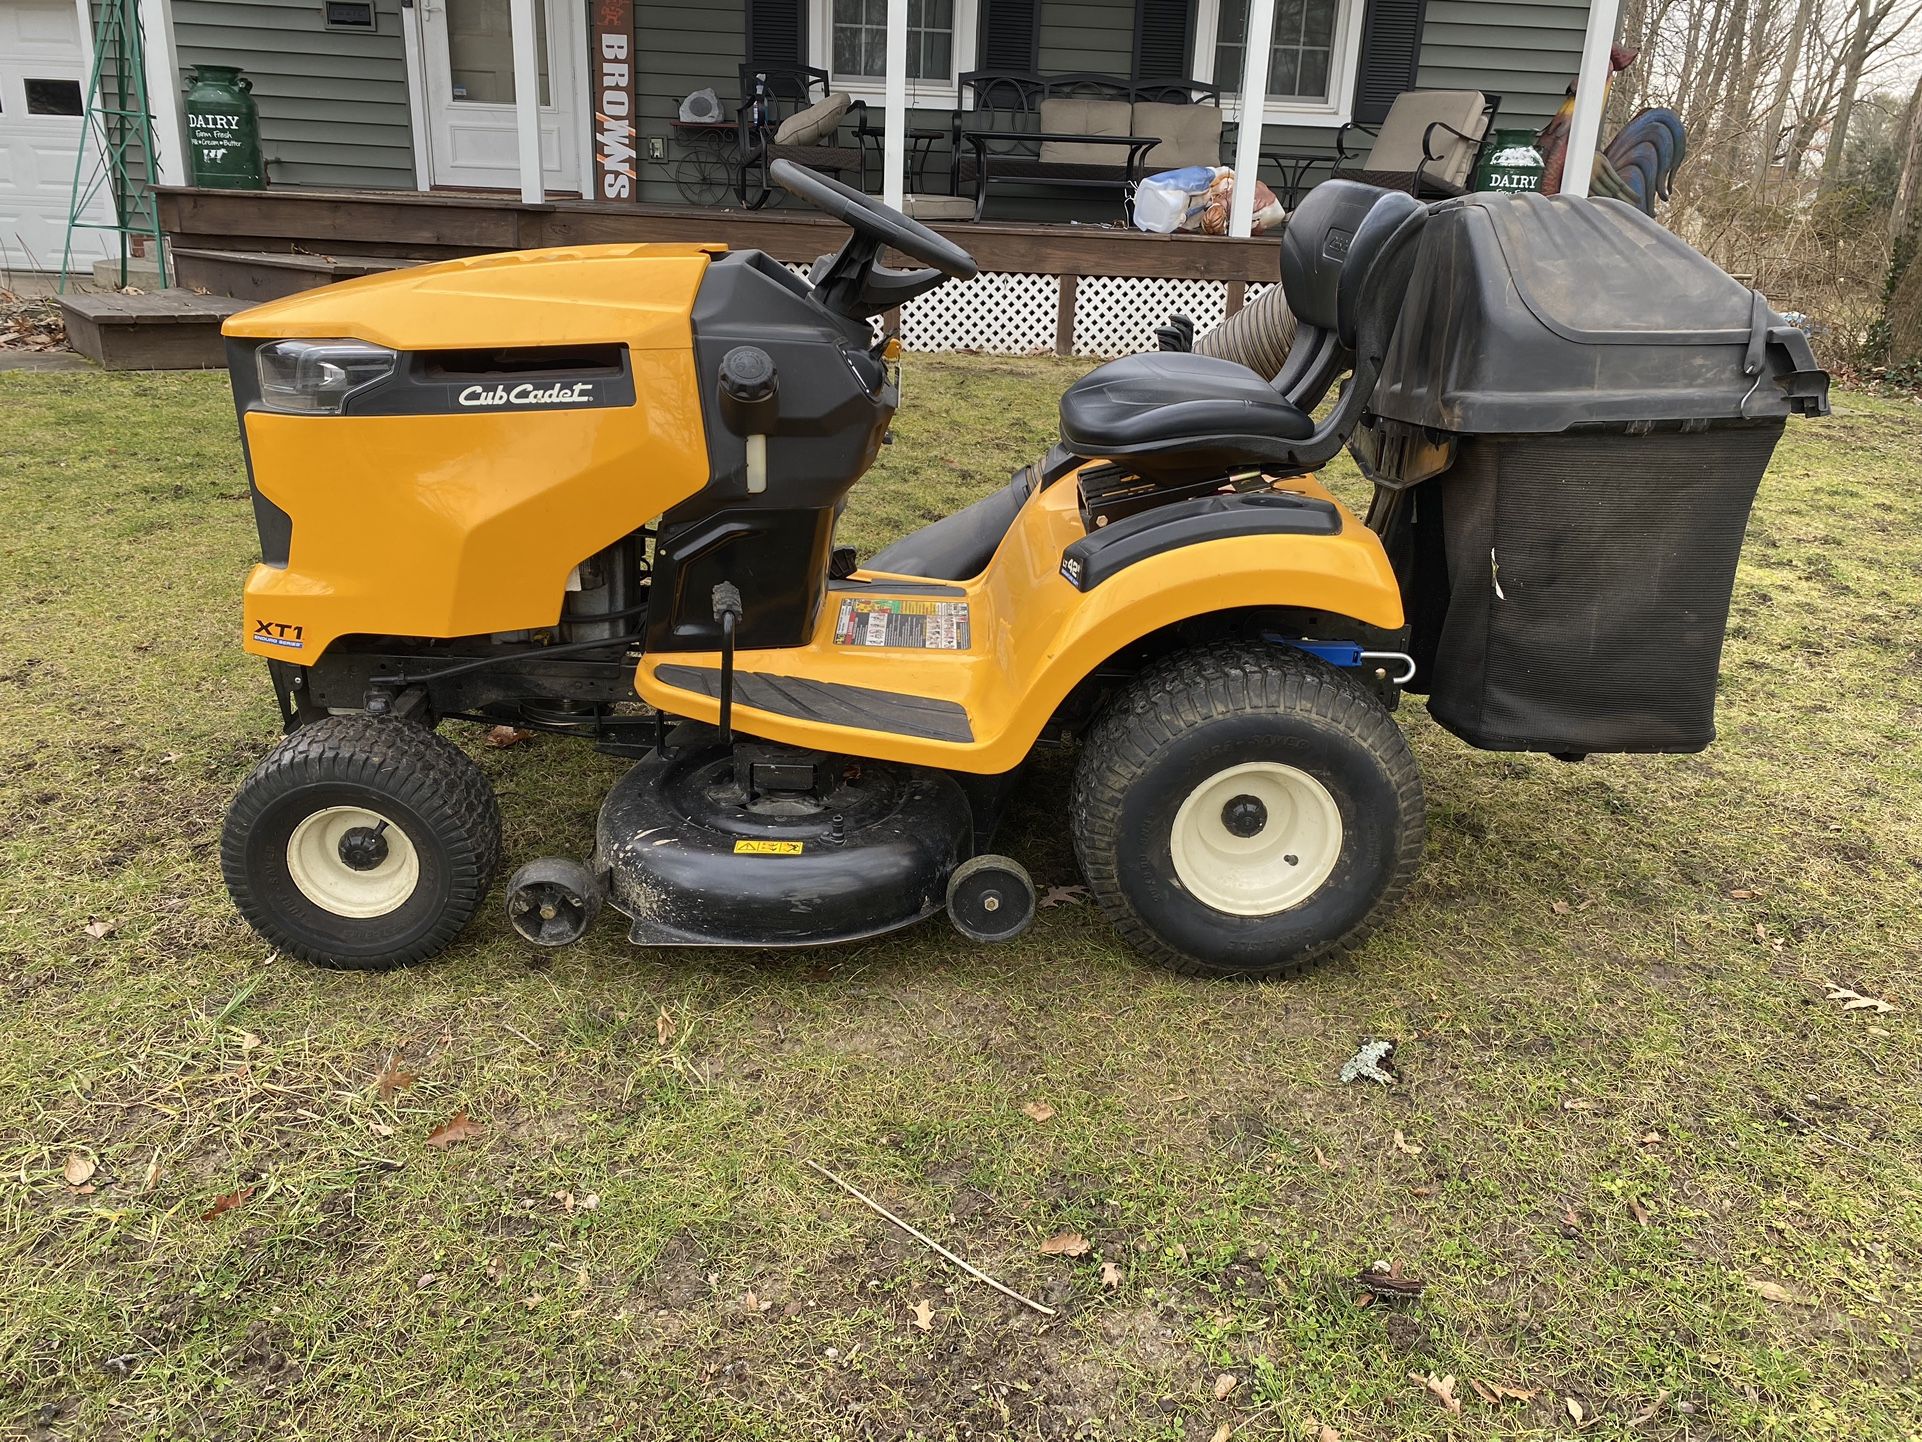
x=927, y=1241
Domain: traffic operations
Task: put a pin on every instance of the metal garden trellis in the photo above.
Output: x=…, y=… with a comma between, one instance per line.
x=118, y=133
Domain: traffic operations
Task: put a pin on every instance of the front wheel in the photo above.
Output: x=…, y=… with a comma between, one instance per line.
x=361, y=843
x=1246, y=810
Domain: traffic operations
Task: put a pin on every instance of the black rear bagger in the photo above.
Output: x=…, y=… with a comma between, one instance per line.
x=1588, y=405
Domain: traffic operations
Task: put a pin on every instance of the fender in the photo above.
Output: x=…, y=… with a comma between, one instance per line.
x=1027, y=636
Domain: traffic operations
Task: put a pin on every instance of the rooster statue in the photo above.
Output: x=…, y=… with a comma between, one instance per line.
x=1637, y=166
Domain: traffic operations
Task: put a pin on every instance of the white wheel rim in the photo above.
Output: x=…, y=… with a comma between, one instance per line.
x=1291, y=850
x=324, y=878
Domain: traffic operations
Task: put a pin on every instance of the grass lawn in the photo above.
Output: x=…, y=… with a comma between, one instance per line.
x=1657, y=1183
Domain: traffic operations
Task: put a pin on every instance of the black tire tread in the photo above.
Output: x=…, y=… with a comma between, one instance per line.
x=1185, y=690
x=415, y=766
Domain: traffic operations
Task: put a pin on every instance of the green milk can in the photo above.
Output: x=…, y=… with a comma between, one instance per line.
x=223, y=129
x=1510, y=161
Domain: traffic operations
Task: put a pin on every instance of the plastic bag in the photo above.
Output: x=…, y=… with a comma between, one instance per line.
x=1163, y=202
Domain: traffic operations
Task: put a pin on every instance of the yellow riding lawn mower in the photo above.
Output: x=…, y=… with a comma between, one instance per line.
x=593, y=492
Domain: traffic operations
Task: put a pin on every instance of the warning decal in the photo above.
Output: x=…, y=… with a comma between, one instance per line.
x=889, y=621
x=767, y=848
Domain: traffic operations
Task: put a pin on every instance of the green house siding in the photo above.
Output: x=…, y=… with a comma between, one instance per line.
x=680, y=48
x=1525, y=51
x=1096, y=35
x=333, y=103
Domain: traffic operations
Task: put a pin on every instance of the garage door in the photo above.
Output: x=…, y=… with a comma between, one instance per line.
x=43, y=82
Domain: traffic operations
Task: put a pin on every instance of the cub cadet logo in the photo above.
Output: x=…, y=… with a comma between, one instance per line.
x=527, y=395
x=278, y=633
x=1071, y=570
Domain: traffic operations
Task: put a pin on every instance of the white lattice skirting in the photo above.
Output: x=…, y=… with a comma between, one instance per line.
x=1012, y=314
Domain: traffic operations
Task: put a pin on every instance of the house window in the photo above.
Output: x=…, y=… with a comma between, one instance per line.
x=861, y=39
x=849, y=39
x=1312, y=56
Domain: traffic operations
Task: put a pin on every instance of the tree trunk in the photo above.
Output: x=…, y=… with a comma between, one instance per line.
x=1779, y=108
x=1866, y=17
x=1908, y=190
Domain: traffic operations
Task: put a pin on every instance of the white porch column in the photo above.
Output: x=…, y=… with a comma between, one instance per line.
x=894, y=115
x=1253, y=113
x=1591, y=90
x=164, y=92
x=527, y=99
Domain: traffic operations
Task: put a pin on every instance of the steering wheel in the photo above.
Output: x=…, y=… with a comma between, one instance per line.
x=872, y=221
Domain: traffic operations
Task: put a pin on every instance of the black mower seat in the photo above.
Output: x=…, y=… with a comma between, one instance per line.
x=1170, y=400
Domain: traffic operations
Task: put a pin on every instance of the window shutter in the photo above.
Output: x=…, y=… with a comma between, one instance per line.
x=776, y=32
x=1390, y=56
x=1164, y=35
x=1010, y=35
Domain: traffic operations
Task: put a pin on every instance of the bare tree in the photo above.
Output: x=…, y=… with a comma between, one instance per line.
x=1771, y=136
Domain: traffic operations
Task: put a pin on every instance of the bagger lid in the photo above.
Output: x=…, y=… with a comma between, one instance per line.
x=1531, y=313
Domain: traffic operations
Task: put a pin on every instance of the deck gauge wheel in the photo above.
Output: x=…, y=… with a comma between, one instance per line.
x=552, y=901
x=991, y=898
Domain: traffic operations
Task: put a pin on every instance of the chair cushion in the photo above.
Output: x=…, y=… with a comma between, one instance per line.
x=1190, y=134
x=816, y=123
x=1168, y=401
x=1080, y=115
x=1398, y=148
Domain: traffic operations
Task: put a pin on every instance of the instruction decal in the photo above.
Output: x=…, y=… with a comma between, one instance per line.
x=915, y=625
x=768, y=848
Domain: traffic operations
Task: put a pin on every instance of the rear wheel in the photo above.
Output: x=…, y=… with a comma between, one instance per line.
x=1246, y=810
x=361, y=843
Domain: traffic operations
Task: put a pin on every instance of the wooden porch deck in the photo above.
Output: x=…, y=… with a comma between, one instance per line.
x=310, y=237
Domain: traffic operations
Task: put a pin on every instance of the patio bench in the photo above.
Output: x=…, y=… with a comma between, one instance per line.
x=1080, y=130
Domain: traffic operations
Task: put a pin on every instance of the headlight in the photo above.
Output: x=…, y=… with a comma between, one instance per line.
x=315, y=377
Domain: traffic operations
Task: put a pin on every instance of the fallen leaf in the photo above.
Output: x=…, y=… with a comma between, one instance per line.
x=1065, y=1244
x=752, y=1304
x=498, y=736
x=1327, y=1434
x=1402, y=1144
x=1386, y=1279
x=1649, y=1139
x=1776, y=1292
x=392, y=1079
x=1647, y=1414
x=458, y=1128
x=1560, y=908
x=1506, y=1393
x=1224, y=1384
x=1064, y=895
x=1578, y=1104
x=1638, y=1211
x=79, y=1170
x=1487, y=1394
x=153, y=1174
x=1040, y=1111
x=1223, y=1433
x=591, y=1202
x=532, y=1300
x=1321, y=1160
x=1110, y=1275
x=1421, y=1191
x=226, y=1204
x=1571, y=1223
x=924, y=1314
x=1441, y=1388
x=566, y=1199
x=248, y=1041
x=1575, y=1410
x=1851, y=1000
x=664, y=1027
x=1742, y=893
x=99, y=930
x=427, y=1279
x=380, y=1129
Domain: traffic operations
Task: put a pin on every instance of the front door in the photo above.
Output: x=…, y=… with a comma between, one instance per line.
x=467, y=52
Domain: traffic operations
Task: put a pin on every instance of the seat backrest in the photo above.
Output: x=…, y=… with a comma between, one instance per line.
x=1329, y=247
x=1398, y=148
x=788, y=89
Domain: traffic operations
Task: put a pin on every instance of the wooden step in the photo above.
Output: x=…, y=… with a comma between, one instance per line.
x=270, y=274
x=163, y=330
